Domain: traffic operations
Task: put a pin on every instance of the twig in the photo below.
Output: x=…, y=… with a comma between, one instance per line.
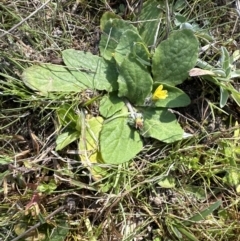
x=39, y=223
x=24, y=20
x=238, y=7
x=156, y=35
x=130, y=108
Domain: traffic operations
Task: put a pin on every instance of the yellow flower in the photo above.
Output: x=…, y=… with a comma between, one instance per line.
x=160, y=93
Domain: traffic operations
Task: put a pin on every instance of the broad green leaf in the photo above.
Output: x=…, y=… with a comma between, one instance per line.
x=106, y=17
x=89, y=146
x=149, y=19
x=225, y=60
x=47, y=78
x=200, y=33
x=119, y=143
x=203, y=34
x=179, y=4
x=112, y=32
x=175, y=230
x=66, y=138
x=176, y=97
x=131, y=42
x=235, y=73
x=167, y=182
x=187, y=233
x=89, y=142
x=180, y=19
x=135, y=82
x=97, y=73
x=195, y=191
x=47, y=187
x=232, y=178
x=67, y=116
x=203, y=214
x=224, y=94
x=111, y=104
x=160, y=124
x=228, y=74
x=174, y=57
x=60, y=231
x=204, y=65
x=219, y=72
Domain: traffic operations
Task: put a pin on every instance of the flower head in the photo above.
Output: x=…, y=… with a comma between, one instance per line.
x=160, y=93
x=139, y=121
